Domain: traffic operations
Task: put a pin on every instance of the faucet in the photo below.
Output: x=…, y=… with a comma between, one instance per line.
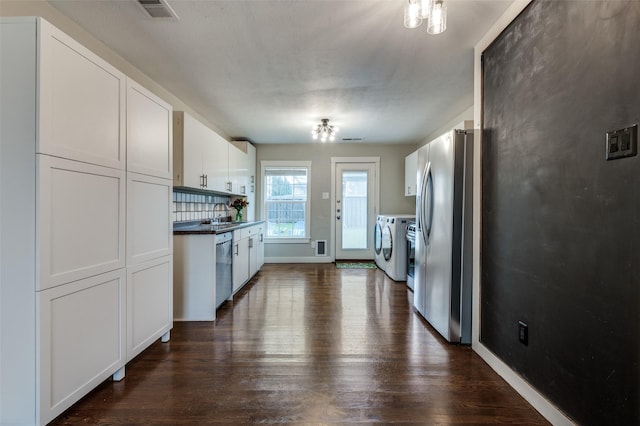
x=220, y=210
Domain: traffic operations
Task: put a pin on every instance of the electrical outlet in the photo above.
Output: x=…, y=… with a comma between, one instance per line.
x=523, y=333
x=622, y=143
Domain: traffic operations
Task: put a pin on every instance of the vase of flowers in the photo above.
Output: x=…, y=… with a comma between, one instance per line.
x=239, y=204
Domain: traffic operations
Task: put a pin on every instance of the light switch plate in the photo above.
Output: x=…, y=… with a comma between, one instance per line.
x=622, y=143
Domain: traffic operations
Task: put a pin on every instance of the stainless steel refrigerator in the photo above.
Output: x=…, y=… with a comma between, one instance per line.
x=443, y=258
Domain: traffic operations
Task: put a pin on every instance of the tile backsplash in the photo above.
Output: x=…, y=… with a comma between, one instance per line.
x=189, y=206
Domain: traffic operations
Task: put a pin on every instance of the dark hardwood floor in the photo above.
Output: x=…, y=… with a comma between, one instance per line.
x=307, y=344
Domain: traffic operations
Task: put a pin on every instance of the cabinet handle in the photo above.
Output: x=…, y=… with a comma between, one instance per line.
x=261, y=238
x=250, y=242
x=206, y=181
x=243, y=189
x=229, y=186
x=236, y=253
x=253, y=189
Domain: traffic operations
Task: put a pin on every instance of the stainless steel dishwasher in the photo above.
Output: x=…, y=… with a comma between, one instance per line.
x=224, y=268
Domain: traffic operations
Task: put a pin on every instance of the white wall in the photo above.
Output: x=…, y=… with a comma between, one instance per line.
x=451, y=124
x=392, y=199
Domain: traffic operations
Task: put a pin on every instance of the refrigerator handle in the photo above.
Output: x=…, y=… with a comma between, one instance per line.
x=426, y=204
x=430, y=201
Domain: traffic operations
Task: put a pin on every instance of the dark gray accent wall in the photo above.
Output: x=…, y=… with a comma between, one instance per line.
x=560, y=225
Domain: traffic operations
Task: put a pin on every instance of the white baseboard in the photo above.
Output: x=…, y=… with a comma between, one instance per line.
x=528, y=392
x=305, y=259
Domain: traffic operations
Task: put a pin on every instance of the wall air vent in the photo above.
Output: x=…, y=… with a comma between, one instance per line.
x=352, y=139
x=321, y=247
x=158, y=8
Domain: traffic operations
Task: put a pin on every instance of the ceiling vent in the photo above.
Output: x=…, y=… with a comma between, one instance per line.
x=158, y=9
x=352, y=139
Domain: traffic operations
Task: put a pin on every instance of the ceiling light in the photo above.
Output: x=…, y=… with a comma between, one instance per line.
x=324, y=131
x=434, y=11
x=412, y=18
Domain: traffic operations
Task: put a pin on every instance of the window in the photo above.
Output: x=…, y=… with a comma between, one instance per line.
x=285, y=200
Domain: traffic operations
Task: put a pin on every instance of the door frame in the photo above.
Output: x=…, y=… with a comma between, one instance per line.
x=376, y=193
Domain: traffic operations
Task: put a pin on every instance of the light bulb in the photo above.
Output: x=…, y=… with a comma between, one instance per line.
x=437, y=17
x=332, y=138
x=314, y=136
x=412, y=14
x=336, y=129
x=425, y=8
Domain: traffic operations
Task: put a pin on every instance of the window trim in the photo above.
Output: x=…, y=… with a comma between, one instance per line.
x=266, y=164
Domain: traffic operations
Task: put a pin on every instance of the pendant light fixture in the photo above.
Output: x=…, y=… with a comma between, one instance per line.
x=324, y=131
x=433, y=11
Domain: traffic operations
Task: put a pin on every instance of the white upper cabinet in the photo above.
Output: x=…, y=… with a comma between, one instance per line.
x=216, y=163
x=238, y=170
x=188, y=145
x=410, y=174
x=205, y=160
x=81, y=102
x=149, y=133
x=251, y=182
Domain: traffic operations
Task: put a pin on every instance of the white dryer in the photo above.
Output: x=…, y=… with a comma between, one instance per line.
x=394, y=245
x=381, y=221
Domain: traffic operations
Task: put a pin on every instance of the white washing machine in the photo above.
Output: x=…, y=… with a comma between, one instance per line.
x=394, y=245
x=381, y=221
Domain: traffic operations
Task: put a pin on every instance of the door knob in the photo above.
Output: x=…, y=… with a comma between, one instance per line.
x=338, y=217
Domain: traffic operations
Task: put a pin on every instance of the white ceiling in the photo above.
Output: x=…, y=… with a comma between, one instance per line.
x=269, y=70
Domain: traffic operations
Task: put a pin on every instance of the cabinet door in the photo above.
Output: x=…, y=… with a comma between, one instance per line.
x=81, y=103
x=251, y=182
x=253, y=255
x=260, y=248
x=149, y=303
x=238, y=170
x=240, y=263
x=149, y=133
x=410, y=174
x=81, y=220
x=194, y=135
x=81, y=329
x=217, y=163
x=149, y=224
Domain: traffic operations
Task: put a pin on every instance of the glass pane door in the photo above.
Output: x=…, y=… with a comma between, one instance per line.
x=354, y=211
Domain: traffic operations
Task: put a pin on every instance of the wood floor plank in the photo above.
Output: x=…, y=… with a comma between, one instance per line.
x=307, y=344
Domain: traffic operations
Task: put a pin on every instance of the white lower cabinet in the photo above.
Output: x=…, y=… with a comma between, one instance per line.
x=194, y=277
x=260, y=247
x=240, y=259
x=248, y=254
x=256, y=250
x=81, y=329
x=149, y=304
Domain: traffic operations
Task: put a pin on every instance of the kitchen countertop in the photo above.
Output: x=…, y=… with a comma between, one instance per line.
x=198, y=227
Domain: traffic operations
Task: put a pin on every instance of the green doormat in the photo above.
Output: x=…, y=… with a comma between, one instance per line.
x=355, y=265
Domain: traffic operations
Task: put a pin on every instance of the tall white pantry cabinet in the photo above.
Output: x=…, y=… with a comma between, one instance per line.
x=85, y=221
